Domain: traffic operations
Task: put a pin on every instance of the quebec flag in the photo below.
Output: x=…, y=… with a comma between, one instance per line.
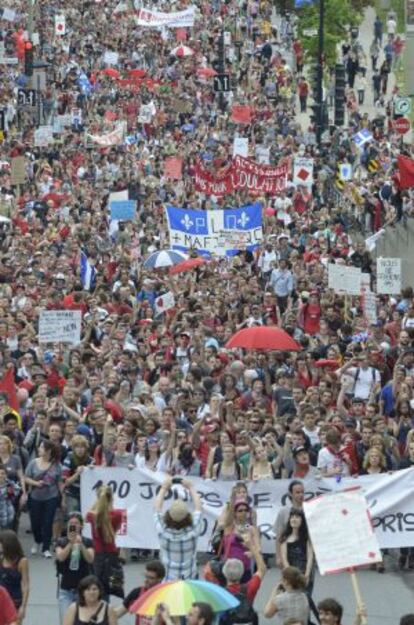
x=87, y=273
x=215, y=232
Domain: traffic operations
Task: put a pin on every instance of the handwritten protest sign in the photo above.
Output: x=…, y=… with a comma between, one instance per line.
x=60, y=326
x=241, y=146
x=43, y=136
x=343, y=279
x=389, y=276
x=341, y=531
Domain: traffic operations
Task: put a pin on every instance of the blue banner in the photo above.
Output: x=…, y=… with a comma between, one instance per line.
x=123, y=210
x=215, y=232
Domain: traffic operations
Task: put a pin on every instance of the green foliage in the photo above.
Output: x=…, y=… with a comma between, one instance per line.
x=398, y=7
x=340, y=15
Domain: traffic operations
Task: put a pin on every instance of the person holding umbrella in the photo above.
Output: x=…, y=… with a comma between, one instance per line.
x=178, y=531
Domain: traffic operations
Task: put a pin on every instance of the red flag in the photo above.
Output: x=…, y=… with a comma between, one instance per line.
x=241, y=114
x=406, y=167
x=173, y=167
x=8, y=386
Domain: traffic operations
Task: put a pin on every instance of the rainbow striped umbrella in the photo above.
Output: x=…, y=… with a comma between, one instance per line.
x=180, y=595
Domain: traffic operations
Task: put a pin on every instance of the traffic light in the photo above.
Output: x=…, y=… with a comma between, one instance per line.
x=339, y=119
x=28, y=59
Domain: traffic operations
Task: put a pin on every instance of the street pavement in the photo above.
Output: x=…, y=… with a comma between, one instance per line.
x=387, y=596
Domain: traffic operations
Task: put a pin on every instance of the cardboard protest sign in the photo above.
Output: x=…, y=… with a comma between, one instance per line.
x=18, y=170
x=341, y=531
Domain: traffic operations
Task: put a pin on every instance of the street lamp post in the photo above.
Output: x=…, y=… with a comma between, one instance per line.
x=319, y=88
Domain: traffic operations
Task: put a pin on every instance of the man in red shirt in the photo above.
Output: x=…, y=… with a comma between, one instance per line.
x=8, y=614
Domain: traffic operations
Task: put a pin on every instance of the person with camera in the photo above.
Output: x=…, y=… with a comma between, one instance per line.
x=74, y=558
x=289, y=599
x=178, y=531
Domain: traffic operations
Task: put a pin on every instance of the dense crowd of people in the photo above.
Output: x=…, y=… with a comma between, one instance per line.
x=160, y=391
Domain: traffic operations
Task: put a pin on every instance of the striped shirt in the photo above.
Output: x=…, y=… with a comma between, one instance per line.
x=178, y=548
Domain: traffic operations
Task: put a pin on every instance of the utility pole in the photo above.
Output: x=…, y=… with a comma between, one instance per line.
x=319, y=90
x=222, y=68
x=30, y=19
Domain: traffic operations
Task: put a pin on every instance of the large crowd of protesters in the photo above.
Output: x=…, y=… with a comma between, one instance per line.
x=161, y=391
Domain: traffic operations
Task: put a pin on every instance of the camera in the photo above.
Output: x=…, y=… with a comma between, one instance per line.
x=72, y=529
x=177, y=480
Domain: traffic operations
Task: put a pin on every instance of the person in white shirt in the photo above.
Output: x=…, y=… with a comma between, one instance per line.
x=391, y=26
x=332, y=460
x=367, y=379
x=265, y=262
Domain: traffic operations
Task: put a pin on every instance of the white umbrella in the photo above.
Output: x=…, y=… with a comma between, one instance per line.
x=164, y=258
x=182, y=51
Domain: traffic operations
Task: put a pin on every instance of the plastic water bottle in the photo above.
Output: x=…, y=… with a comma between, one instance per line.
x=74, y=558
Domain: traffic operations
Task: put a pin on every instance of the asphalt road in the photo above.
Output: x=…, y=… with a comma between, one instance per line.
x=387, y=596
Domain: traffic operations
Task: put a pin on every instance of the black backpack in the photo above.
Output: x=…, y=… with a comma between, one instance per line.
x=243, y=614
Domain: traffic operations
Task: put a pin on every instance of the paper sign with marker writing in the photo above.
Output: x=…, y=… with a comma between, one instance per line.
x=344, y=279
x=389, y=276
x=341, y=531
x=60, y=326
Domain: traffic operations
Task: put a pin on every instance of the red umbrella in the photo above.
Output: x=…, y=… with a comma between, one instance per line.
x=111, y=72
x=186, y=265
x=263, y=337
x=206, y=72
x=139, y=73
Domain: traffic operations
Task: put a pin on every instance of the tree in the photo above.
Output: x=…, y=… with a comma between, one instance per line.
x=340, y=16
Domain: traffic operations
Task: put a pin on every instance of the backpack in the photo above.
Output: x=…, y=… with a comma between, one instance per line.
x=356, y=377
x=244, y=613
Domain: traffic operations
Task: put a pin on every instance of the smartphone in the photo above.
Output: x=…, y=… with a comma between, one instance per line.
x=177, y=480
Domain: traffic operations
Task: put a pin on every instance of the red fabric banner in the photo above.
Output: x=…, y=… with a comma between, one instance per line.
x=243, y=173
x=211, y=184
x=406, y=169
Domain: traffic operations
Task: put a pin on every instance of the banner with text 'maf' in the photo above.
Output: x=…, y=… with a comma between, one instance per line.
x=390, y=499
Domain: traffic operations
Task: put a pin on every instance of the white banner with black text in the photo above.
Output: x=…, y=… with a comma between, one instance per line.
x=390, y=499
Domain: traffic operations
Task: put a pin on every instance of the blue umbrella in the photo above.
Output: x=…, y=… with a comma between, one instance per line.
x=164, y=258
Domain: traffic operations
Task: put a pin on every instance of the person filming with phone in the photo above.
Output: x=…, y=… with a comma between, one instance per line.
x=178, y=530
x=74, y=558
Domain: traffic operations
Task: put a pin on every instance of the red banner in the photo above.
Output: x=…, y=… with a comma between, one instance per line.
x=258, y=178
x=243, y=173
x=208, y=183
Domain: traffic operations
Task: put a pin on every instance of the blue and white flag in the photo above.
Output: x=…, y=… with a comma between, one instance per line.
x=216, y=232
x=87, y=273
x=84, y=84
x=362, y=137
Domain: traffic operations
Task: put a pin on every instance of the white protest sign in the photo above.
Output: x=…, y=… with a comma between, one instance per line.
x=60, y=326
x=303, y=171
x=111, y=58
x=8, y=14
x=146, y=113
x=389, y=276
x=369, y=300
x=341, y=531
x=241, y=146
x=389, y=498
x=43, y=136
x=174, y=19
x=164, y=302
x=343, y=279
x=262, y=154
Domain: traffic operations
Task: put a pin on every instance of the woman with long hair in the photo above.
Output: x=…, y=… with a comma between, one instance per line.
x=374, y=462
x=14, y=571
x=44, y=477
x=228, y=469
x=296, y=548
x=14, y=470
x=105, y=523
x=289, y=598
x=91, y=606
x=73, y=465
